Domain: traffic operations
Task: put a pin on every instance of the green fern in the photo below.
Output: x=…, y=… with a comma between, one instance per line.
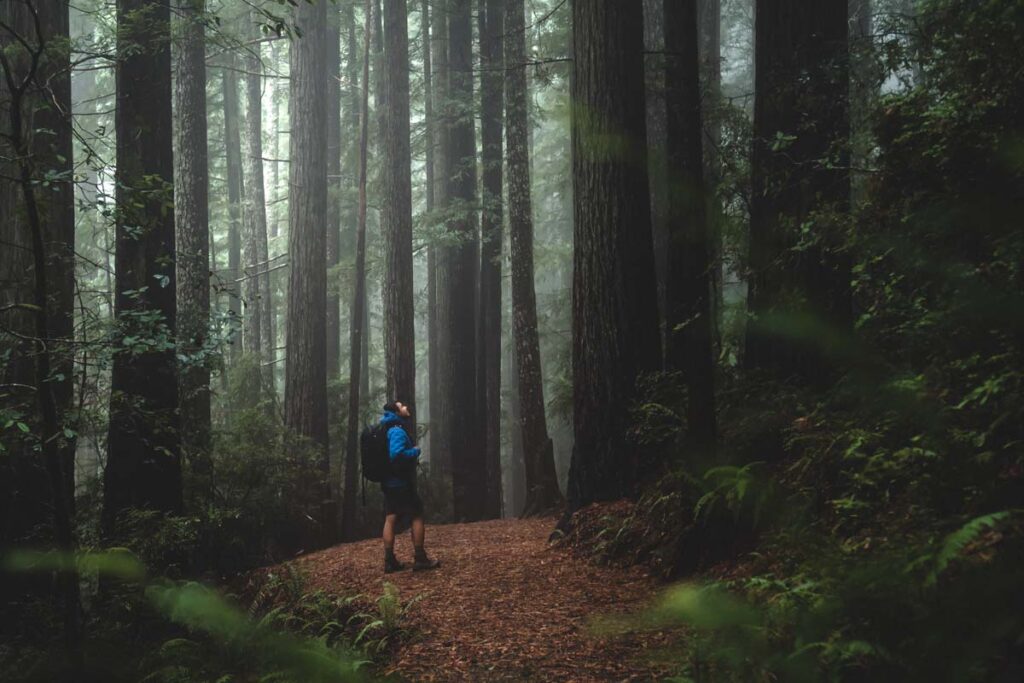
x=954, y=544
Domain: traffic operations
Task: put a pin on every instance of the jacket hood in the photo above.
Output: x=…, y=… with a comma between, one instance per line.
x=391, y=419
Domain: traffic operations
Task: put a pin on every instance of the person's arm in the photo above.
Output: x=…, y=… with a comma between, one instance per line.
x=400, y=446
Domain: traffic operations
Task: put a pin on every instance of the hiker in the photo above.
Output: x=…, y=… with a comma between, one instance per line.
x=399, y=488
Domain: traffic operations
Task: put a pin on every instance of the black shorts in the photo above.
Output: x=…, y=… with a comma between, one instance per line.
x=402, y=501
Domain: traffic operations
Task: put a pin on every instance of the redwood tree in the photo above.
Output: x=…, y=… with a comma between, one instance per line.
x=396, y=212
x=192, y=219
x=305, y=399
x=615, y=320
x=258, y=333
x=688, y=282
x=538, y=451
x=491, y=16
x=800, y=282
x=457, y=279
x=37, y=266
x=233, y=153
x=143, y=443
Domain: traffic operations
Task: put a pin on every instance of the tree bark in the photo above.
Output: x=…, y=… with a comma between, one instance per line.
x=192, y=227
x=688, y=324
x=615, y=320
x=358, y=303
x=542, y=493
x=430, y=125
x=458, y=277
x=259, y=325
x=440, y=412
x=233, y=150
x=37, y=230
x=491, y=30
x=799, y=280
x=305, y=401
x=143, y=444
x=334, y=189
x=396, y=224
x=657, y=162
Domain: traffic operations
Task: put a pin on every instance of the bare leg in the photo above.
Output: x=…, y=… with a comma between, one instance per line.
x=389, y=532
x=418, y=532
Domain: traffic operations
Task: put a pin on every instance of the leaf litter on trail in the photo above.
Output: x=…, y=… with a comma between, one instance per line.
x=503, y=606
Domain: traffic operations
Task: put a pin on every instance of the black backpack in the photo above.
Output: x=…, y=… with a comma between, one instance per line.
x=374, y=452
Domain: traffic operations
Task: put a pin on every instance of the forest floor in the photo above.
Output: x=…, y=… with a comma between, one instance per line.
x=505, y=605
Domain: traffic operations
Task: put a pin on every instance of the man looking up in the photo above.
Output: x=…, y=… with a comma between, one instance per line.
x=399, y=488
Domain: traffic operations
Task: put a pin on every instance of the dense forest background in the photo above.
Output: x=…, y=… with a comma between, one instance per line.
x=730, y=289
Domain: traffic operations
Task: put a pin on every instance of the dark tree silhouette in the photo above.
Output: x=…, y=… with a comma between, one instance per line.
x=491, y=19
x=688, y=277
x=799, y=285
x=457, y=280
x=615, y=319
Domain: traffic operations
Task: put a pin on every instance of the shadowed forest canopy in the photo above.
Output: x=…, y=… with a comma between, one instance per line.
x=709, y=315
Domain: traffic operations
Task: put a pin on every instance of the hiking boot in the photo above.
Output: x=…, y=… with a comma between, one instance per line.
x=423, y=562
x=391, y=563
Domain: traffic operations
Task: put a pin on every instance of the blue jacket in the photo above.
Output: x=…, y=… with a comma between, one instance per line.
x=401, y=452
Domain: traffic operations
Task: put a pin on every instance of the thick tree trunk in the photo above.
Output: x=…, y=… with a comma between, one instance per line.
x=615, y=320
x=440, y=412
x=491, y=21
x=192, y=223
x=516, y=458
x=143, y=444
x=334, y=189
x=37, y=231
x=458, y=276
x=429, y=125
x=305, y=400
x=801, y=139
x=542, y=492
x=348, y=516
x=233, y=150
x=396, y=224
x=657, y=162
x=688, y=291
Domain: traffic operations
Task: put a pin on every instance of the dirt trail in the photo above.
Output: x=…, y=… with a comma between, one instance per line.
x=504, y=606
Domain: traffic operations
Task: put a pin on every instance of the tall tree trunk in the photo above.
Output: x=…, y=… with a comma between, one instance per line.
x=689, y=325
x=458, y=277
x=615, y=319
x=492, y=21
x=541, y=479
x=275, y=180
x=657, y=163
x=396, y=214
x=516, y=457
x=348, y=516
x=192, y=227
x=233, y=150
x=259, y=313
x=429, y=126
x=334, y=189
x=37, y=265
x=800, y=159
x=305, y=400
x=143, y=445
x=709, y=20
x=440, y=413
